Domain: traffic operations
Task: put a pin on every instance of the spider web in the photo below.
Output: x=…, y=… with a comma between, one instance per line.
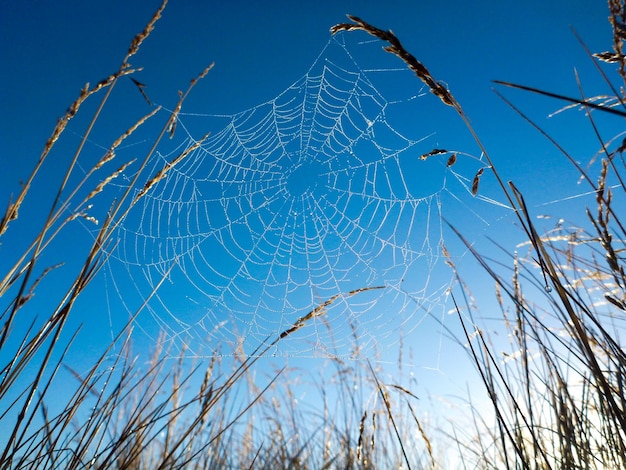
x=295, y=203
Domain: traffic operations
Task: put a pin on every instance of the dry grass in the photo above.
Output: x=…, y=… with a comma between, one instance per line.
x=558, y=395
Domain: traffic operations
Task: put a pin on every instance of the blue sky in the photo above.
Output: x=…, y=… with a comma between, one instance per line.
x=260, y=48
x=52, y=48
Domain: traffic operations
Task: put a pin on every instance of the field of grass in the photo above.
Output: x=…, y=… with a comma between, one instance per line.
x=557, y=396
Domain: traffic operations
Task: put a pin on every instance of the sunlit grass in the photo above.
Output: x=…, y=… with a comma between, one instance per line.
x=557, y=394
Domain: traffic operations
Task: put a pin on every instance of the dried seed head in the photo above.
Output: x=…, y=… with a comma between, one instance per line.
x=432, y=152
x=444, y=251
x=108, y=156
x=137, y=40
x=396, y=48
x=609, y=57
x=476, y=181
x=108, y=179
x=451, y=160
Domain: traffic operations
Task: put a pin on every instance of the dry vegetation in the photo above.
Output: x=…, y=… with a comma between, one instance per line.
x=559, y=398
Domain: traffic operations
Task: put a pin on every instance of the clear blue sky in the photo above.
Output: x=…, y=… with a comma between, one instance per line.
x=49, y=50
